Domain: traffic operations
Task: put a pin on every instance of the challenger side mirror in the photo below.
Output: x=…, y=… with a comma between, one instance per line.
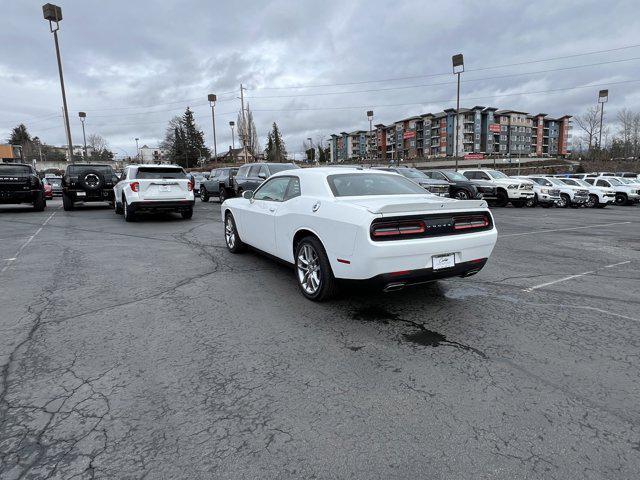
x=247, y=194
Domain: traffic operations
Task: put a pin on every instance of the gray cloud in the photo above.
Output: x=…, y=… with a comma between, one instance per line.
x=133, y=65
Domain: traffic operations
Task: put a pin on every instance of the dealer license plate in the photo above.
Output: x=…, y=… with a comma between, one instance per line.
x=443, y=261
x=165, y=188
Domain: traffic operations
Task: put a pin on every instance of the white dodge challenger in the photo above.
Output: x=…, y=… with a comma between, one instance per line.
x=346, y=224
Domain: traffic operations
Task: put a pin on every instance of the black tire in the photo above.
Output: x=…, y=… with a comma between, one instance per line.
x=462, y=194
x=502, y=200
x=518, y=203
x=565, y=200
x=187, y=214
x=67, y=203
x=231, y=235
x=531, y=202
x=204, y=195
x=592, y=202
x=223, y=195
x=118, y=208
x=327, y=285
x=621, y=199
x=39, y=204
x=129, y=213
x=239, y=192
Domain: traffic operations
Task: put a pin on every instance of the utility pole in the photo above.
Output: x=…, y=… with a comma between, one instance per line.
x=53, y=13
x=244, y=124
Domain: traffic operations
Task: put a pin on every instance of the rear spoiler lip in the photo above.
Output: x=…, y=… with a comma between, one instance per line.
x=431, y=207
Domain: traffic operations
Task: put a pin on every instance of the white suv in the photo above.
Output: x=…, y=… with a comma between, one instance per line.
x=570, y=196
x=625, y=194
x=599, y=197
x=545, y=193
x=516, y=191
x=145, y=188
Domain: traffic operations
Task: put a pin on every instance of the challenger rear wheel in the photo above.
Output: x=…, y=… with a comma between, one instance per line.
x=313, y=270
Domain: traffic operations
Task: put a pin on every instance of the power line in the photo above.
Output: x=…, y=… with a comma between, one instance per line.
x=594, y=52
x=557, y=90
x=405, y=87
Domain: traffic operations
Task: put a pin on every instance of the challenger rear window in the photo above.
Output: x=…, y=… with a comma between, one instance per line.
x=21, y=170
x=159, y=173
x=357, y=184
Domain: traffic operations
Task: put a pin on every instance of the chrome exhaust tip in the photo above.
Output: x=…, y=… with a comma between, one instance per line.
x=392, y=287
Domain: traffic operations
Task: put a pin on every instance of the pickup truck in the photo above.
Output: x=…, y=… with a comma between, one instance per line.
x=570, y=196
x=219, y=184
x=19, y=183
x=625, y=194
x=546, y=194
x=508, y=190
x=599, y=197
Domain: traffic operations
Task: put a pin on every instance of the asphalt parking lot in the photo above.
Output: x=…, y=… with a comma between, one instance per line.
x=146, y=350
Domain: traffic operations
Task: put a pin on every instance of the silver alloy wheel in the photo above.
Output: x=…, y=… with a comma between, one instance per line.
x=230, y=233
x=462, y=195
x=562, y=202
x=592, y=201
x=308, y=267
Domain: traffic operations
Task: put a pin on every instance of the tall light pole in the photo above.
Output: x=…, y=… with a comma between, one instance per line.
x=311, y=148
x=212, y=102
x=53, y=14
x=137, y=151
x=603, y=97
x=370, y=118
x=458, y=68
x=82, y=116
x=233, y=138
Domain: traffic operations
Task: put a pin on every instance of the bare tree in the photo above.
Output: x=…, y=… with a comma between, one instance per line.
x=629, y=130
x=589, y=121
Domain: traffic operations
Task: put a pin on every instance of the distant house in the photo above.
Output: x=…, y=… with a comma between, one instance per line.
x=241, y=155
x=10, y=153
x=153, y=155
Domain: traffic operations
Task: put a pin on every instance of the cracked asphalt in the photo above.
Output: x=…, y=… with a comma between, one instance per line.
x=146, y=350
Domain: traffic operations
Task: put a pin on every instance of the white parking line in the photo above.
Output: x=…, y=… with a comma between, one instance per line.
x=22, y=247
x=561, y=229
x=536, y=287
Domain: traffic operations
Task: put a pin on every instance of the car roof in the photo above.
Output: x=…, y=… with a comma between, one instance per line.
x=154, y=165
x=326, y=171
x=14, y=164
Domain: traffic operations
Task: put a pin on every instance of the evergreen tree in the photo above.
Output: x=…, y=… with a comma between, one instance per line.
x=20, y=136
x=275, y=150
x=185, y=140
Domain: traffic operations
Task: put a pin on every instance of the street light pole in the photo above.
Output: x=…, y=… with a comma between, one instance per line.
x=370, y=118
x=53, y=13
x=458, y=68
x=212, y=102
x=603, y=97
x=82, y=116
x=233, y=138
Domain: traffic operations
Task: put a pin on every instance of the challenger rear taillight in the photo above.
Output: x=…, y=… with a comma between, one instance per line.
x=135, y=186
x=397, y=229
x=470, y=223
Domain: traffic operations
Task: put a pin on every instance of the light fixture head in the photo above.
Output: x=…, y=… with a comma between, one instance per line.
x=458, y=63
x=603, y=96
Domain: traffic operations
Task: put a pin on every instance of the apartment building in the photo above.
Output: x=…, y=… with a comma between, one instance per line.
x=482, y=130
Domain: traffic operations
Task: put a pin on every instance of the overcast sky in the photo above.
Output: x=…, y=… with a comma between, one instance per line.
x=132, y=65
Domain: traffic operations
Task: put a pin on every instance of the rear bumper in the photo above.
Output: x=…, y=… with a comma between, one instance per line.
x=375, y=259
x=19, y=196
x=90, y=196
x=390, y=282
x=162, y=206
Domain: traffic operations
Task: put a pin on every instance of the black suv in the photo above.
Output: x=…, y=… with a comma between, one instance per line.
x=219, y=184
x=19, y=183
x=87, y=182
x=437, y=187
x=251, y=175
x=460, y=186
